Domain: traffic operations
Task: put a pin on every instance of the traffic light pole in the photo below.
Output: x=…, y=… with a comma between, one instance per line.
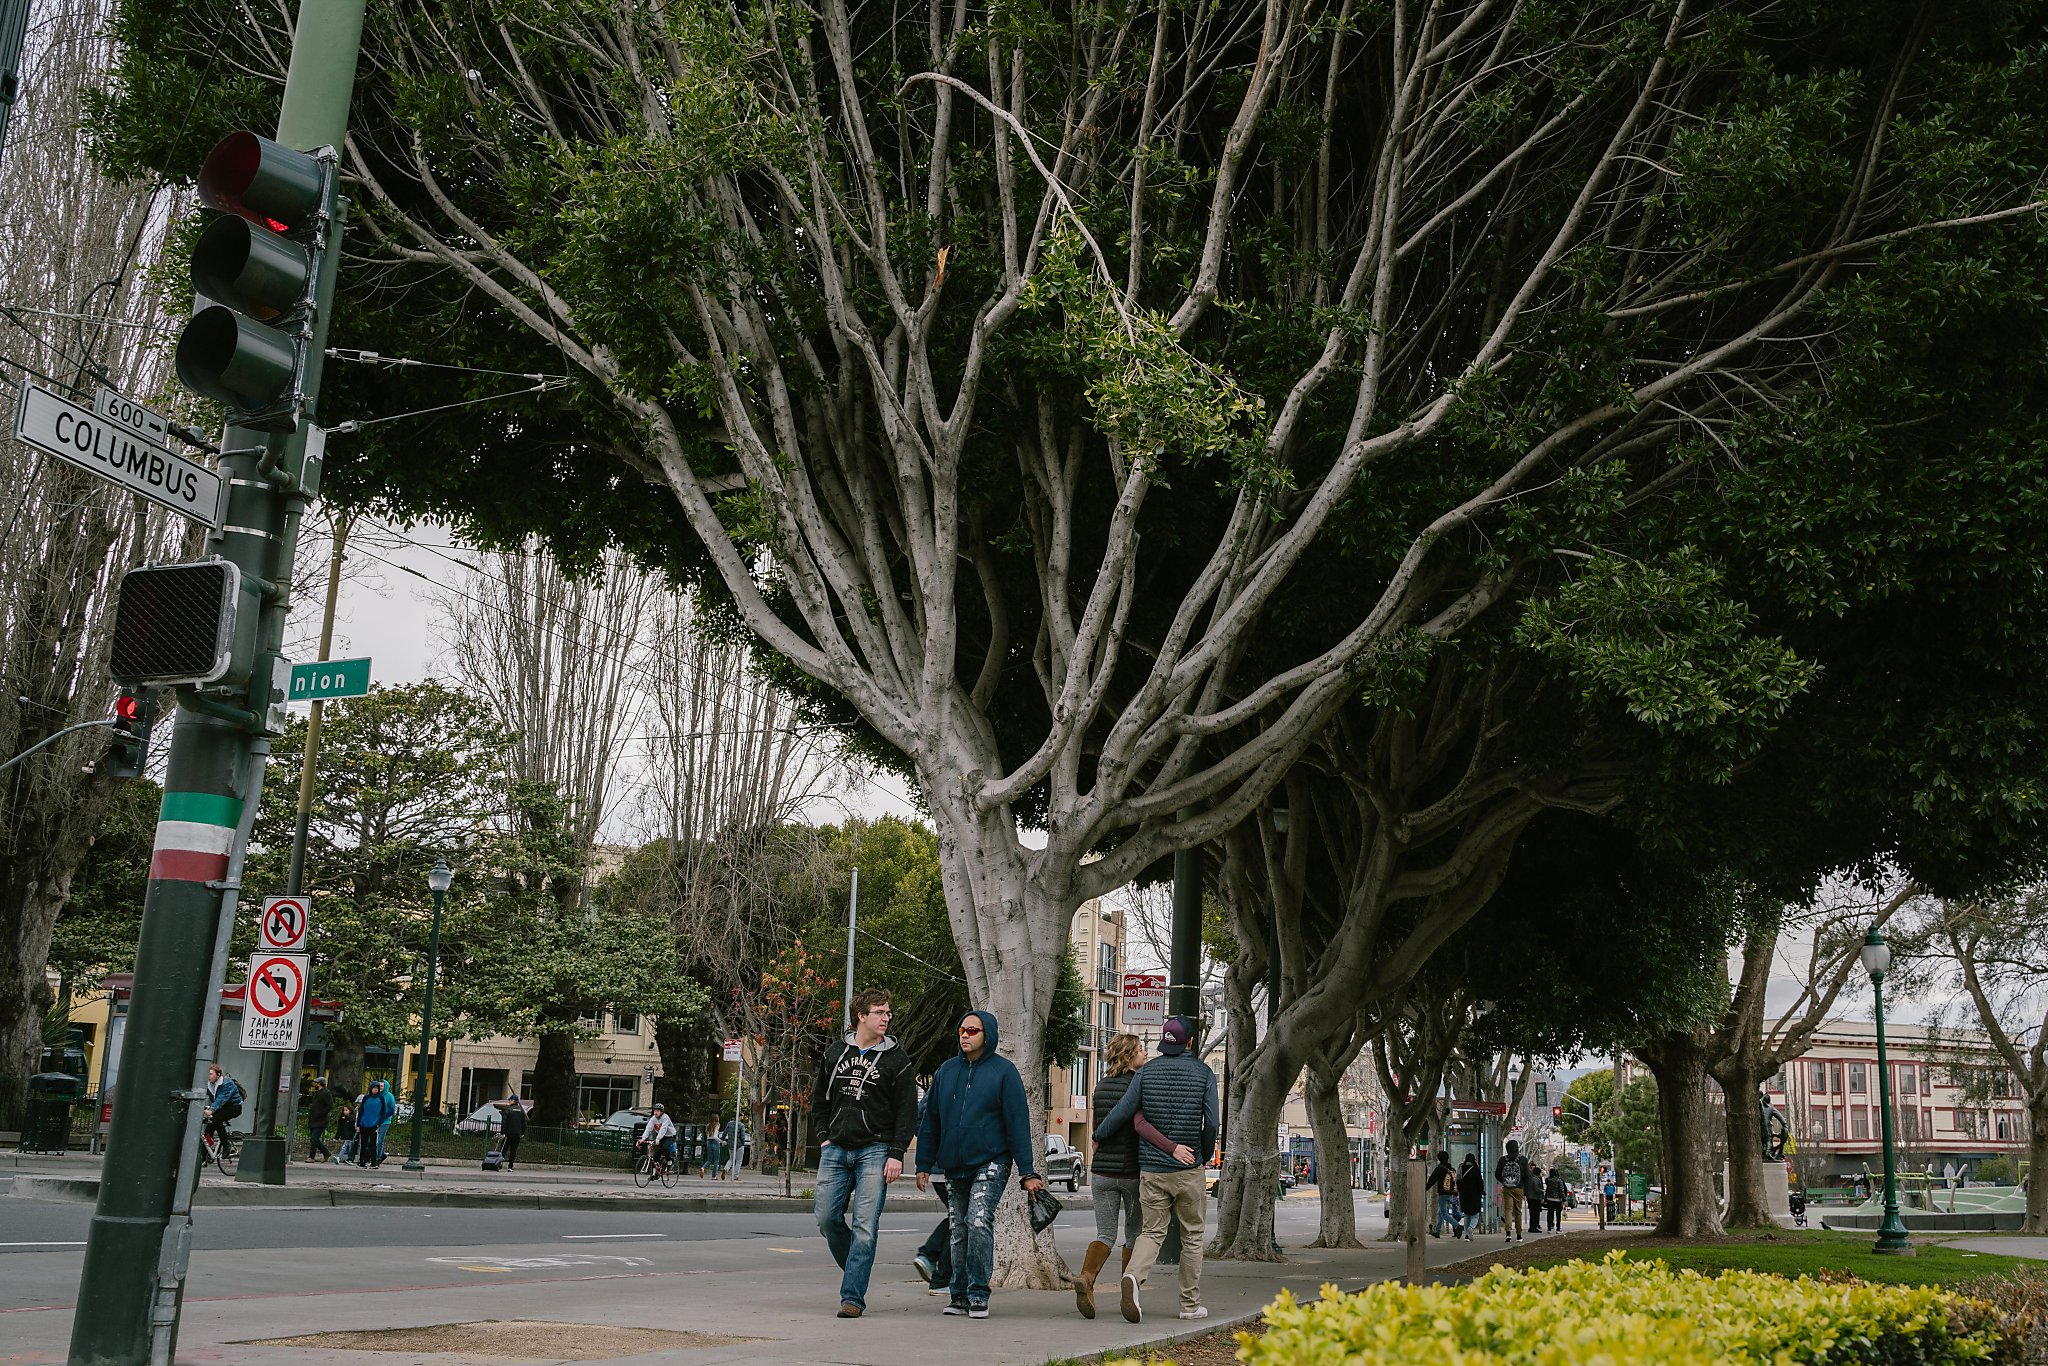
x=132, y=1286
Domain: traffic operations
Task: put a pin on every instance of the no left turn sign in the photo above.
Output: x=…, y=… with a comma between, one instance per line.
x=274, y=1002
x=284, y=923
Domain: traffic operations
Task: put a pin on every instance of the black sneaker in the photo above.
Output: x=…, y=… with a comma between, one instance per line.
x=957, y=1307
x=977, y=1311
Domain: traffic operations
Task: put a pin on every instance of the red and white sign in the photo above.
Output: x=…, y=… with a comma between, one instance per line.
x=274, y=1002
x=732, y=1050
x=284, y=923
x=1144, y=1000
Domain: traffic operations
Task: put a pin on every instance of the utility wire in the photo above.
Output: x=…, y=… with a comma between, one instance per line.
x=362, y=357
x=357, y=424
x=863, y=931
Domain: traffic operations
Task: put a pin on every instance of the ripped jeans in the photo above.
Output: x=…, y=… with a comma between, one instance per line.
x=971, y=1201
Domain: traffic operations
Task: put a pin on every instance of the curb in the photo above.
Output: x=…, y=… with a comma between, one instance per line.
x=85, y=1190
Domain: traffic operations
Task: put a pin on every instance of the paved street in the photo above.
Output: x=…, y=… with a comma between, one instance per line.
x=273, y=1272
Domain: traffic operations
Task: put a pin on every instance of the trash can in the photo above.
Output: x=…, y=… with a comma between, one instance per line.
x=46, y=1123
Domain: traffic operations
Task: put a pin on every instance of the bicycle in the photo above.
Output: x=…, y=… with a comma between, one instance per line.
x=656, y=1165
x=225, y=1152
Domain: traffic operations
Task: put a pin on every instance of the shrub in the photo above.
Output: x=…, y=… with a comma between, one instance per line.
x=1621, y=1313
x=1996, y=1171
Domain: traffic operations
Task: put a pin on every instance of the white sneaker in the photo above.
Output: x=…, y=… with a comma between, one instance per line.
x=1200, y=1311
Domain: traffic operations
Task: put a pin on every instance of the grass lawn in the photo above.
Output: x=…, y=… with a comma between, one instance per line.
x=1788, y=1252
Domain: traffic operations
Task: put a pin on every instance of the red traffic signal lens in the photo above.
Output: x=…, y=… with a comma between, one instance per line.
x=128, y=707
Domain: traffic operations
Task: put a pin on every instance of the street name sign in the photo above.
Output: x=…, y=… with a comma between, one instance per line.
x=284, y=923
x=329, y=678
x=145, y=422
x=274, y=1002
x=1144, y=1000
x=99, y=445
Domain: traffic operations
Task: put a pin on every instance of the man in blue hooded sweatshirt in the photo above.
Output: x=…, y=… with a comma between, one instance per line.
x=976, y=1125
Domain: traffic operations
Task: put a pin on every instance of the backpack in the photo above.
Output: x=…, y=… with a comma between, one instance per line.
x=1449, y=1184
x=1510, y=1171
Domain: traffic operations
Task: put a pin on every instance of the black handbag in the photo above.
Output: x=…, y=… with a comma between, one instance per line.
x=1043, y=1207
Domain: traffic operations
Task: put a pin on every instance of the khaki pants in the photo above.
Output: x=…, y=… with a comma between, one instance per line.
x=1162, y=1198
x=1511, y=1211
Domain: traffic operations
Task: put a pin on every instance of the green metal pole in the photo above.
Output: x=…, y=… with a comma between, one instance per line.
x=1891, y=1234
x=131, y=1287
x=420, y=1063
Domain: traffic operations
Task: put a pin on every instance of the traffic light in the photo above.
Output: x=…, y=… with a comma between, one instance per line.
x=1556, y=1113
x=177, y=623
x=134, y=716
x=256, y=272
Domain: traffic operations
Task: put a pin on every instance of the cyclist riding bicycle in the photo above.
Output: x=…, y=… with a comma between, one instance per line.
x=660, y=1134
x=224, y=1102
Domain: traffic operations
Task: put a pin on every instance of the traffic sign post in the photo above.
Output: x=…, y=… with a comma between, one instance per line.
x=274, y=1002
x=284, y=924
x=1144, y=1000
x=329, y=678
x=117, y=453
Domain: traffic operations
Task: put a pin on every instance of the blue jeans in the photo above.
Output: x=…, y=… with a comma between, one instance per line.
x=1447, y=1212
x=849, y=1211
x=971, y=1201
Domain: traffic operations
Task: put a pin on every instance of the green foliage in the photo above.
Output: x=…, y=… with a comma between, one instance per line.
x=1631, y=1138
x=1618, y=1312
x=1831, y=1256
x=97, y=931
x=1996, y=1171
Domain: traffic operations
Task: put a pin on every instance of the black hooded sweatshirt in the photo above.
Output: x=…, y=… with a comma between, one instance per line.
x=866, y=1095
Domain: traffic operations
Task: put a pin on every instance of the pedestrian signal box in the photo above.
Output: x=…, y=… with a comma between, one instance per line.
x=175, y=623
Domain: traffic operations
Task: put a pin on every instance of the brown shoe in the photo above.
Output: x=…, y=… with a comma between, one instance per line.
x=848, y=1310
x=1084, y=1284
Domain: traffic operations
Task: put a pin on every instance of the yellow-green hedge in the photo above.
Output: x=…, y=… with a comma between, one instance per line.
x=1623, y=1313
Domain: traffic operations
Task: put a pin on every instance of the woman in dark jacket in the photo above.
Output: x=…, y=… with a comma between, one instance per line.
x=1471, y=1193
x=1113, y=1175
x=1553, y=1199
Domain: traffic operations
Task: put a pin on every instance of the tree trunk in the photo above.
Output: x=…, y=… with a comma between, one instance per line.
x=1690, y=1209
x=554, y=1080
x=2037, y=1162
x=1337, y=1223
x=1251, y=1165
x=690, y=1054
x=1008, y=907
x=1748, y=1205
x=345, y=1059
x=1401, y=1142
x=28, y=908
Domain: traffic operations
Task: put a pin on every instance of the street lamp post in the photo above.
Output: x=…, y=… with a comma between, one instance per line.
x=439, y=879
x=1891, y=1234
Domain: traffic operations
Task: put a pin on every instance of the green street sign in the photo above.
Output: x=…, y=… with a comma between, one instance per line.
x=1638, y=1186
x=331, y=678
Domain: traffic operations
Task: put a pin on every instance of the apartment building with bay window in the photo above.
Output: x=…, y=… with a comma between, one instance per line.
x=1955, y=1103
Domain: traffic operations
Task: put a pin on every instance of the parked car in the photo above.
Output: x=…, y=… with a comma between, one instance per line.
x=1062, y=1163
x=487, y=1117
x=629, y=1122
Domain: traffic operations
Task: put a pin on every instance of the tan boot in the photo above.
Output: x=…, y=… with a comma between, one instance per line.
x=1084, y=1284
x=1127, y=1259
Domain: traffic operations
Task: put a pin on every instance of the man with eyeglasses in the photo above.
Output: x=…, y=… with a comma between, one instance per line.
x=865, y=1104
x=977, y=1125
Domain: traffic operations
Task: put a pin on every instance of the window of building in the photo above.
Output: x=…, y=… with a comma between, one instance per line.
x=1909, y=1082
x=1859, y=1122
x=526, y=1086
x=1818, y=1084
x=1909, y=1122
x=1856, y=1079
x=2004, y=1121
x=1105, y=1017
x=626, y=1022
x=1834, y=1122
x=598, y=1096
x=1927, y=1121
x=2001, y=1083
x=1080, y=1090
x=1835, y=1078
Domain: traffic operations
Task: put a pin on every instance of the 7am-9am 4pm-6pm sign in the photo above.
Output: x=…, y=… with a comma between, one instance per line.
x=329, y=678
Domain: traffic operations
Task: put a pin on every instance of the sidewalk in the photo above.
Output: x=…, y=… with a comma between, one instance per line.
x=444, y=1182
x=750, y=1301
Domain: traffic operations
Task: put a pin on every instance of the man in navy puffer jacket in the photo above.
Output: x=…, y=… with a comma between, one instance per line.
x=977, y=1124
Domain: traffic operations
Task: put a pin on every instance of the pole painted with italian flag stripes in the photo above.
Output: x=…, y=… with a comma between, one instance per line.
x=131, y=1290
